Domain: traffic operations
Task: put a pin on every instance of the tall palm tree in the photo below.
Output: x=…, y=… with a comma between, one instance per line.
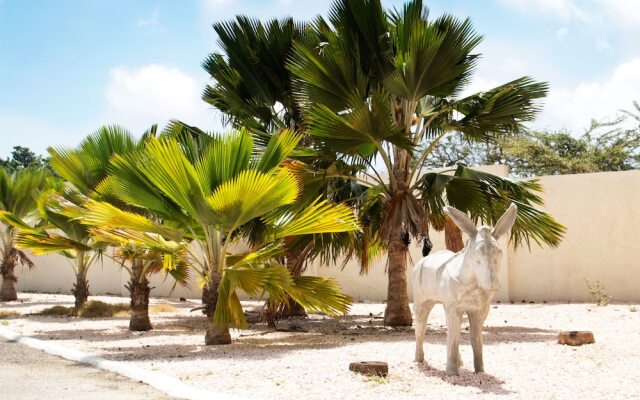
x=205, y=189
x=384, y=87
x=18, y=193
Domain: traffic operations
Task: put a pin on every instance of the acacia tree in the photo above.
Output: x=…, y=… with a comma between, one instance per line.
x=18, y=193
x=205, y=189
x=380, y=85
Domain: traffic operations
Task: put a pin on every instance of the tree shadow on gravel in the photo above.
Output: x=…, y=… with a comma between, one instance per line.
x=350, y=328
x=485, y=382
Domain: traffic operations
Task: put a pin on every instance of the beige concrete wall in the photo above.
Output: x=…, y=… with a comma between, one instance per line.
x=601, y=212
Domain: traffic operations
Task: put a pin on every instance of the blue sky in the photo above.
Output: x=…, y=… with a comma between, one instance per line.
x=69, y=66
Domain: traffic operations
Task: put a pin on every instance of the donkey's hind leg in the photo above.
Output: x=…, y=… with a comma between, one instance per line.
x=421, y=310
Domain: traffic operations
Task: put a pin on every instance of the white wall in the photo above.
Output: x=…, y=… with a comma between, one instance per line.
x=601, y=212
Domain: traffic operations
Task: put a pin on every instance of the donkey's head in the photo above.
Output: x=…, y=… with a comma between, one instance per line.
x=482, y=253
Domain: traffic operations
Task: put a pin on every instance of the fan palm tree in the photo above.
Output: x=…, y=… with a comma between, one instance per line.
x=62, y=234
x=384, y=87
x=252, y=87
x=85, y=169
x=252, y=84
x=18, y=193
x=207, y=196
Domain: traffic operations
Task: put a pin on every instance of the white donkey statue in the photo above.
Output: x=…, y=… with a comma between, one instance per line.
x=464, y=282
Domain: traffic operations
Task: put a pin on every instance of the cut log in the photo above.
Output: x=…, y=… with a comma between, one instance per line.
x=378, y=368
x=576, y=338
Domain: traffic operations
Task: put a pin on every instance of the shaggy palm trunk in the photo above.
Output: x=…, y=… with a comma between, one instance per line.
x=139, y=290
x=397, y=312
x=453, y=236
x=215, y=335
x=8, y=290
x=81, y=289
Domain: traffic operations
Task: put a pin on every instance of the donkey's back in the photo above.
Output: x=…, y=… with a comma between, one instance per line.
x=426, y=276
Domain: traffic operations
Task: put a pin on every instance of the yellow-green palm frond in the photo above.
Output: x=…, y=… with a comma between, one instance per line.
x=278, y=149
x=223, y=158
x=249, y=195
x=316, y=294
x=12, y=220
x=43, y=243
x=253, y=257
x=126, y=237
x=318, y=217
x=105, y=216
x=319, y=294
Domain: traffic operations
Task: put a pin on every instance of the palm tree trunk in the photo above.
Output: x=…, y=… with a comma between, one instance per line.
x=139, y=290
x=453, y=236
x=8, y=290
x=397, y=312
x=214, y=335
x=81, y=288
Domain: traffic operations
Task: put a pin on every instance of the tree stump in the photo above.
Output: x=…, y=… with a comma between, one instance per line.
x=576, y=338
x=378, y=368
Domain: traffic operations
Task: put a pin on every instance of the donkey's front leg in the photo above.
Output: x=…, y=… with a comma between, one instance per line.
x=476, y=320
x=454, y=319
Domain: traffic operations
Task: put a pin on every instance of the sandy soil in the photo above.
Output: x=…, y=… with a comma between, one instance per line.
x=522, y=358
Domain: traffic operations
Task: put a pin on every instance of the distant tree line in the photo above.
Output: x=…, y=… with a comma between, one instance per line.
x=22, y=157
x=606, y=146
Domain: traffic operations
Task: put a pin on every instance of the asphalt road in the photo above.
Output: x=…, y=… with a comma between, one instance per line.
x=30, y=374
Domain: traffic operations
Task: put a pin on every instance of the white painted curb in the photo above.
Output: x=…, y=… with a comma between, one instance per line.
x=164, y=383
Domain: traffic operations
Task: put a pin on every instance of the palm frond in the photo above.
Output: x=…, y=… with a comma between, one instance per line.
x=318, y=217
x=251, y=194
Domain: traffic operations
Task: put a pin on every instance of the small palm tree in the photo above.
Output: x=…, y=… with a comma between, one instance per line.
x=86, y=169
x=62, y=233
x=205, y=189
x=384, y=87
x=18, y=193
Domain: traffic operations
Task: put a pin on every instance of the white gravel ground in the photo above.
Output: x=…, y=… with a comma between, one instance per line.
x=522, y=358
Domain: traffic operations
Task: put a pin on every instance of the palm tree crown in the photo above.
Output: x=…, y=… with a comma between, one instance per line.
x=383, y=86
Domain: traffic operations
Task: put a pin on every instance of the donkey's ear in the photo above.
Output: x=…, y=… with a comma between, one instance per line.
x=505, y=222
x=461, y=220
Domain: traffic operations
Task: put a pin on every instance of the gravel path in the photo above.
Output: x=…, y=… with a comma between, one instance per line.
x=29, y=374
x=522, y=358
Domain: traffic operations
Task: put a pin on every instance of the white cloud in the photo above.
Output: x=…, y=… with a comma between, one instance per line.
x=154, y=93
x=152, y=21
x=574, y=107
x=619, y=13
x=624, y=13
